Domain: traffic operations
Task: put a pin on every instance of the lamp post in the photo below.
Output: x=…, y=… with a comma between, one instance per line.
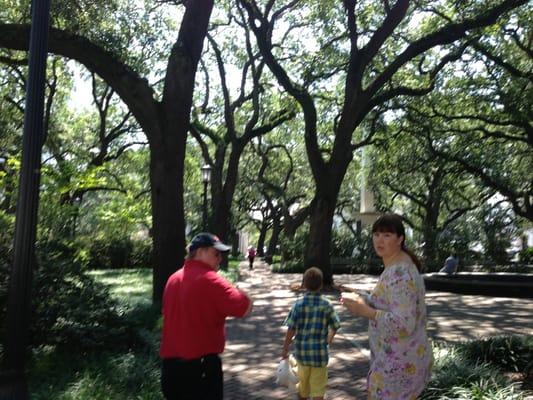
x=12, y=377
x=206, y=177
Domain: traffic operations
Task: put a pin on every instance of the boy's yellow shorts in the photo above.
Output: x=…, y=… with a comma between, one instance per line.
x=313, y=381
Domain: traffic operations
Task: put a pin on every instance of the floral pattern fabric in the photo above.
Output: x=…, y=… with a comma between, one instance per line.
x=401, y=355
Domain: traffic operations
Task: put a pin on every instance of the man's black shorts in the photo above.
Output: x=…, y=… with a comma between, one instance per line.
x=196, y=379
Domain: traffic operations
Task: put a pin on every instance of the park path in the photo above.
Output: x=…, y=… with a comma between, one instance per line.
x=254, y=343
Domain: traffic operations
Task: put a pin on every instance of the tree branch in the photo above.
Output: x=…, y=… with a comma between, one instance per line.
x=446, y=35
x=134, y=91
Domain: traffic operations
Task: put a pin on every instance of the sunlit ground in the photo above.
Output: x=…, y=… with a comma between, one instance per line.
x=130, y=286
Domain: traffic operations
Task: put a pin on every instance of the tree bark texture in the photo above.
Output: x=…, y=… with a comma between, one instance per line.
x=318, y=247
x=274, y=237
x=262, y=238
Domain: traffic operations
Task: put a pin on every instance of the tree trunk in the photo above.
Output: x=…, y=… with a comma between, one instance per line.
x=261, y=241
x=430, y=250
x=430, y=228
x=222, y=190
x=432, y=209
x=234, y=242
x=168, y=141
x=220, y=222
x=166, y=177
x=292, y=223
x=13, y=386
x=319, y=245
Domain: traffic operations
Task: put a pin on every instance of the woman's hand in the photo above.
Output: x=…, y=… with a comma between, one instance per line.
x=342, y=288
x=357, y=306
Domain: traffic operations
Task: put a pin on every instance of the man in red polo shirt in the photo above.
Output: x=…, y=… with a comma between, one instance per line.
x=196, y=302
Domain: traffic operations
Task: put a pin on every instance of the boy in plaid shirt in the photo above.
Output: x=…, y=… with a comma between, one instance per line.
x=312, y=323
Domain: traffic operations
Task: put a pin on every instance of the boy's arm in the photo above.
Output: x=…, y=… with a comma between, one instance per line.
x=331, y=335
x=287, y=342
x=334, y=325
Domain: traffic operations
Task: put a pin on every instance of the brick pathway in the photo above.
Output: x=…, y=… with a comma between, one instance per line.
x=254, y=343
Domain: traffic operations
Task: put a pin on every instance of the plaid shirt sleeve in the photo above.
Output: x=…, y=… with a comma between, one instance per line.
x=334, y=321
x=291, y=319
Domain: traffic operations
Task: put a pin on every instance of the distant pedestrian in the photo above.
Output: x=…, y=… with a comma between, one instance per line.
x=401, y=354
x=196, y=302
x=450, y=265
x=251, y=256
x=312, y=324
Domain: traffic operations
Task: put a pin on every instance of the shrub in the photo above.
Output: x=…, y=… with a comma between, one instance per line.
x=7, y=222
x=276, y=259
x=526, y=255
x=117, y=253
x=343, y=244
x=69, y=308
x=370, y=267
x=293, y=248
x=110, y=253
x=100, y=375
x=141, y=255
x=508, y=353
x=456, y=376
x=486, y=389
x=289, y=267
x=73, y=309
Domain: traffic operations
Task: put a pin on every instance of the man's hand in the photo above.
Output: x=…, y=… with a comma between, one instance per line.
x=250, y=304
x=250, y=307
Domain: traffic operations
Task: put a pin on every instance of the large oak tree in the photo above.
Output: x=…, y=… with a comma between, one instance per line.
x=369, y=52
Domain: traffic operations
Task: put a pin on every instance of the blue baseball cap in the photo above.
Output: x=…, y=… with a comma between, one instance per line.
x=205, y=239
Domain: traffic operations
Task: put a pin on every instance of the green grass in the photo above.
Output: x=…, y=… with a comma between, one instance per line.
x=104, y=376
x=131, y=287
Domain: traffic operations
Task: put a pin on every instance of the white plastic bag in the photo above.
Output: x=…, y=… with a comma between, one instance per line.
x=285, y=375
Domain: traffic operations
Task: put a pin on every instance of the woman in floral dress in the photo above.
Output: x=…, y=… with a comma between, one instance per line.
x=401, y=356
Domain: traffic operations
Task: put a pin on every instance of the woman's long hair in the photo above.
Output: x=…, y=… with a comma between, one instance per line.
x=393, y=223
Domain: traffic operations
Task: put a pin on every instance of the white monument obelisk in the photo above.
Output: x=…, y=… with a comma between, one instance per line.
x=367, y=211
